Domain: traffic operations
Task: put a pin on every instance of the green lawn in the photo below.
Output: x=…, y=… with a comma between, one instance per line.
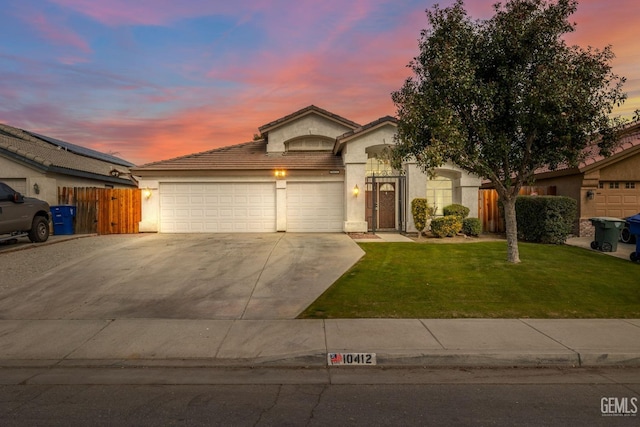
x=400, y=280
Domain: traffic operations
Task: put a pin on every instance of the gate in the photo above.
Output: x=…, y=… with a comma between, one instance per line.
x=385, y=203
x=103, y=210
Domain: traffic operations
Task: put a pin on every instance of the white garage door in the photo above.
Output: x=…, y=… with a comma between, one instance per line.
x=315, y=206
x=217, y=207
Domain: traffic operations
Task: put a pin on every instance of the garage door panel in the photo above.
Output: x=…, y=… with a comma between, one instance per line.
x=217, y=207
x=315, y=207
x=618, y=202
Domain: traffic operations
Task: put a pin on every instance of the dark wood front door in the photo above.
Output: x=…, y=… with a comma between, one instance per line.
x=380, y=199
x=387, y=206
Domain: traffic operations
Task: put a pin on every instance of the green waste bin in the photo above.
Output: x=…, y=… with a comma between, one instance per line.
x=607, y=233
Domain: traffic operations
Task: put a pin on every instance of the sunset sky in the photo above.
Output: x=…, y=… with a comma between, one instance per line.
x=149, y=80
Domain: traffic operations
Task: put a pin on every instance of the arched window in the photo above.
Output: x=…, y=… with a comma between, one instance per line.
x=439, y=193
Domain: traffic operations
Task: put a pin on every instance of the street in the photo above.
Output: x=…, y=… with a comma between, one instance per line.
x=319, y=397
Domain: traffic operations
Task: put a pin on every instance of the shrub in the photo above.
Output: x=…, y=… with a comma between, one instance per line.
x=446, y=226
x=419, y=211
x=545, y=219
x=472, y=226
x=456, y=209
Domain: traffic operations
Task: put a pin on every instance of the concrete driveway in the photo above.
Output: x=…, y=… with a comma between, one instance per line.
x=169, y=276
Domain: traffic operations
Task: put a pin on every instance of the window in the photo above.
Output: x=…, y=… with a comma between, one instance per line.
x=439, y=193
x=630, y=185
x=601, y=185
x=613, y=185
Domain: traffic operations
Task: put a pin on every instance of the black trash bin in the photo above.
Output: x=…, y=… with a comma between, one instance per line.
x=63, y=216
x=634, y=228
x=607, y=233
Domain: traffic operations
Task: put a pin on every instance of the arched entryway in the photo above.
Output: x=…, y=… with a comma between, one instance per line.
x=384, y=195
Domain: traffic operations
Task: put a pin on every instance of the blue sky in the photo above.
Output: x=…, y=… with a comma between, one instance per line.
x=155, y=79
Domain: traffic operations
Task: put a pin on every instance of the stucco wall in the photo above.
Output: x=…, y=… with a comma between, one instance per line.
x=47, y=183
x=308, y=125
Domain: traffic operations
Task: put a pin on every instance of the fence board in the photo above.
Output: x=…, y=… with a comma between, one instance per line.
x=490, y=213
x=103, y=210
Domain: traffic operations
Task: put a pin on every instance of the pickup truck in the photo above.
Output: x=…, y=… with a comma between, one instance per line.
x=22, y=216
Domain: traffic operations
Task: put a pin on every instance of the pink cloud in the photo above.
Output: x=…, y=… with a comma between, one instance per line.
x=57, y=33
x=158, y=12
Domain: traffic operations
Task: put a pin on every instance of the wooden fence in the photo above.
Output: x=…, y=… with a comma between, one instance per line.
x=490, y=213
x=103, y=210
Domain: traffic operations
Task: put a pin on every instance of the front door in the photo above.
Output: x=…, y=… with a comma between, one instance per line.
x=387, y=206
x=381, y=205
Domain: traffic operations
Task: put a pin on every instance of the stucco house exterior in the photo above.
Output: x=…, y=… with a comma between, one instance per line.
x=36, y=165
x=311, y=171
x=603, y=186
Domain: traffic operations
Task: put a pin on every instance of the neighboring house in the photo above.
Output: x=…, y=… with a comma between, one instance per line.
x=37, y=165
x=312, y=171
x=603, y=186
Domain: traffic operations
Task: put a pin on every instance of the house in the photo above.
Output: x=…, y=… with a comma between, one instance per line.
x=36, y=165
x=311, y=171
x=603, y=186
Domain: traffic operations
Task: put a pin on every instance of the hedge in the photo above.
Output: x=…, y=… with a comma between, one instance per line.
x=545, y=219
x=456, y=209
x=472, y=226
x=446, y=226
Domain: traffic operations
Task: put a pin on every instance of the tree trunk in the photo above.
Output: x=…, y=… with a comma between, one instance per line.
x=513, y=254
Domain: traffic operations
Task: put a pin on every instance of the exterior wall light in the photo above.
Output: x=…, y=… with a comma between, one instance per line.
x=147, y=193
x=280, y=173
x=36, y=188
x=591, y=194
x=356, y=190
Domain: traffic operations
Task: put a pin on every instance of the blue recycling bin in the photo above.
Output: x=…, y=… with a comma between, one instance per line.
x=634, y=228
x=63, y=216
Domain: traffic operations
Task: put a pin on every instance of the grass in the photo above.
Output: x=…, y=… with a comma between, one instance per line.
x=399, y=280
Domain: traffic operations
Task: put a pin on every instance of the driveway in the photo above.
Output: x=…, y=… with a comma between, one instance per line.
x=173, y=276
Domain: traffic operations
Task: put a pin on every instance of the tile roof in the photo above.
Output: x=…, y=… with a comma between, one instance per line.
x=248, y=156
x=307, y=110
x=48, y=156
x=342, y=139
x=593, y=159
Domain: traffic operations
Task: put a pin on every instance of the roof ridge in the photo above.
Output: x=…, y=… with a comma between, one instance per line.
x=305, y=110
x=201, y=153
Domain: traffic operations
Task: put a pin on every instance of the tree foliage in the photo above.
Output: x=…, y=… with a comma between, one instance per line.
x=503, y=97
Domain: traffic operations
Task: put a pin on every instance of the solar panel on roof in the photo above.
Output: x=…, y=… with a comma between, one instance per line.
x=84, y=151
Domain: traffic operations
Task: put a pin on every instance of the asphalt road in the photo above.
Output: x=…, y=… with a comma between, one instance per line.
x=269, y=397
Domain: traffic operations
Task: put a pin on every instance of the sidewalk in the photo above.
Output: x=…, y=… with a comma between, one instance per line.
x=306, y=343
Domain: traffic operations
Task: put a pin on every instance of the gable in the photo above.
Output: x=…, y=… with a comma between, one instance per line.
x=313, y=127
x=626, y=169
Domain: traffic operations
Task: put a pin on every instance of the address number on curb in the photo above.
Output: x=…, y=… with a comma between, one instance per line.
x=334, y=359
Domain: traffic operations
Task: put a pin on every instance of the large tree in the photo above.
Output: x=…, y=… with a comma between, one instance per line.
x=503, y=97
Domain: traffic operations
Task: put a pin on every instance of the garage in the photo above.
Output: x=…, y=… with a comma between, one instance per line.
x=315, y=206
x=18, y=184
x=618, y=199
x=233, y=207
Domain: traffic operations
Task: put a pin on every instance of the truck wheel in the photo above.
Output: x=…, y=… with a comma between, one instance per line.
x=39, y=230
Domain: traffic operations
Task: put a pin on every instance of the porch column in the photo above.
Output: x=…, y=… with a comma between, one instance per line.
x=281, y=205
x=150, y=222
x=355, y=206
